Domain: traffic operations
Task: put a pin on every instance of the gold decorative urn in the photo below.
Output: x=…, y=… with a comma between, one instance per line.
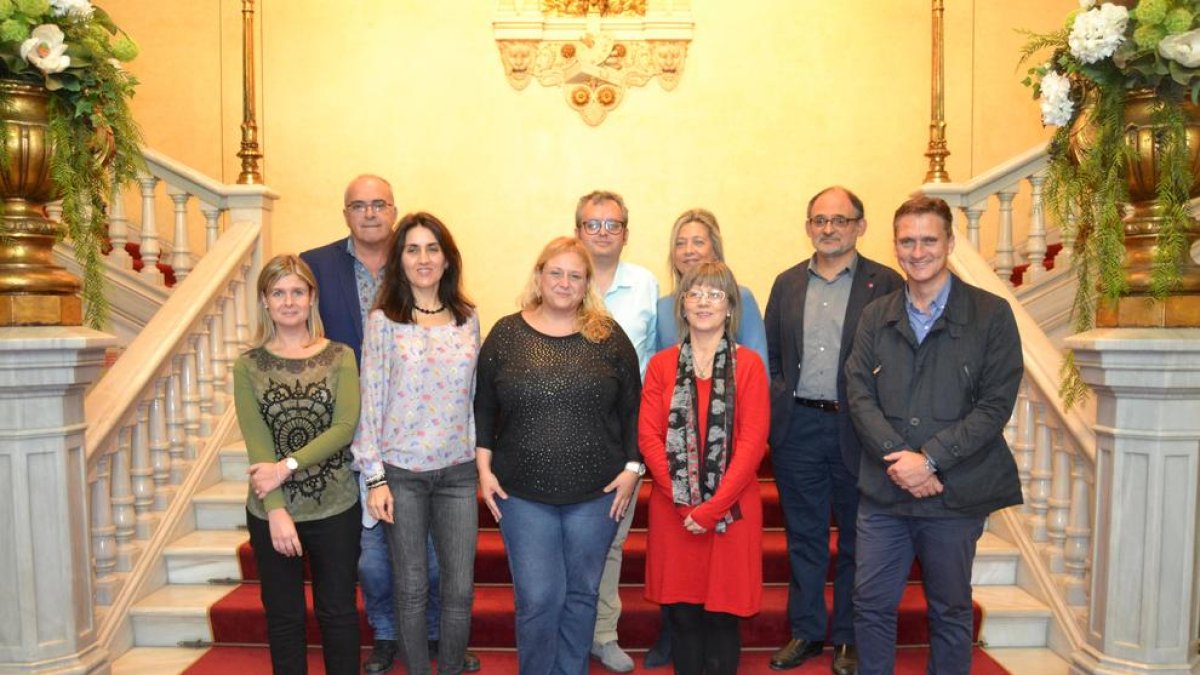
x=1142, y=218
x=33, y=290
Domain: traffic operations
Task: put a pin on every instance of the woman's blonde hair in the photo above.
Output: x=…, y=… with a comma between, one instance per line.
x=713, y=274
x=712, y=229
x=594, y=321
x=277, y=268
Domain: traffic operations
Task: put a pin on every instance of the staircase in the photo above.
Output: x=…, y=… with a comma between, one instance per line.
x=202, y=566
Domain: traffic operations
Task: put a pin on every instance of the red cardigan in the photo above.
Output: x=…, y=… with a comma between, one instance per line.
x=723, y=572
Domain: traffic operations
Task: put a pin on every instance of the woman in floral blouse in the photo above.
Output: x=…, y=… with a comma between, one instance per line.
x=415, y=444
x=297, y=405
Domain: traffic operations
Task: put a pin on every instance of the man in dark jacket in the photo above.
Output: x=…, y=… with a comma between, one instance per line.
x=811, y=319
x=931, y=380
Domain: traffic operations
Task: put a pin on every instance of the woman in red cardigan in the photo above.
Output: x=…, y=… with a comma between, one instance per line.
x=703, y=431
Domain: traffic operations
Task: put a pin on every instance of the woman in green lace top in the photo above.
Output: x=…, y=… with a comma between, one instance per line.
x=297, y=402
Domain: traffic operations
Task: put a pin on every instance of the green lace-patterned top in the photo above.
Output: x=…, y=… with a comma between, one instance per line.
x=304, y=408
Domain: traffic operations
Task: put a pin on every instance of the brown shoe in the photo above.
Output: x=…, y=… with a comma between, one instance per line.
x=845, y=660
x=795, y=653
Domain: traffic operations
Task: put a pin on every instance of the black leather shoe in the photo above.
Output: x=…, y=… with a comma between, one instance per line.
x=471, y=662
x=795, y=653
x=382, y=656
x=845, y=660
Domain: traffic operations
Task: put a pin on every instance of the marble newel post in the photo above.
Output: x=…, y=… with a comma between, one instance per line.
x=1144, y=611
x=46, y=613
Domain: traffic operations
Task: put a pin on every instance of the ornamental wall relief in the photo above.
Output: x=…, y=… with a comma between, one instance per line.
x=593, y=50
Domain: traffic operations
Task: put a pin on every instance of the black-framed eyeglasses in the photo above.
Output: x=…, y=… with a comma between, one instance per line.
x=594, y=225
x=698, y=294
x=376, y=205
x=840, y=222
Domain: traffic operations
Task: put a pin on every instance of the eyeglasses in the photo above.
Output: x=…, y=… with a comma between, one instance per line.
x=698, y=294
x=840, y=222
x=361, y=206
x=594, y=226
x=558, y=276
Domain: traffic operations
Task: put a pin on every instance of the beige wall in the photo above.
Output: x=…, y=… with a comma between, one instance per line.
x=779, y=99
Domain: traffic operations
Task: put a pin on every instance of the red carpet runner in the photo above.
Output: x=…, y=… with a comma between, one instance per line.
x=239, y=628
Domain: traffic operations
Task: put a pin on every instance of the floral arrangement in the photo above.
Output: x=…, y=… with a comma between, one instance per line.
x=74, y=50
x=1104, y=53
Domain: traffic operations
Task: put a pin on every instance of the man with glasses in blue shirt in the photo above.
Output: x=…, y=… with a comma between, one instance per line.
x=811, y=318
x=348, y=272
x=630, y=295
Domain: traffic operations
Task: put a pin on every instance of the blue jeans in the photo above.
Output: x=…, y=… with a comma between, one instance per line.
x=556, y=554
x=886, y=546
x=436, y=505
x=375, y=579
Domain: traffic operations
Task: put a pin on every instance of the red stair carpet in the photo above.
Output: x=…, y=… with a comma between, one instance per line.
x=239, y=628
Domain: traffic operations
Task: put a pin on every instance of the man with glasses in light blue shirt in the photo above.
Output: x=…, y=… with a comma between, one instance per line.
x=630, y=295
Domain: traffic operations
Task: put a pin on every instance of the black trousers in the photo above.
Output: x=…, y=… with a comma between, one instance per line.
x=703, y=642
x=331, y=546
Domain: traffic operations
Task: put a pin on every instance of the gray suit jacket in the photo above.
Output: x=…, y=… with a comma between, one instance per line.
x=785, y=343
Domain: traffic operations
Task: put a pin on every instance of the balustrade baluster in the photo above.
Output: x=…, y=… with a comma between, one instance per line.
x=1023, y=446
x=160, y=445
x=54, y=210
x=191, y=400
x=148, y=247
x=204, y=377
x=220, y=356
x=212, y=225
x=124, y=516
x=118, y=229
x=973, y=214
x=1067, y=254
x=1079, y=534
x=240, y=305
x=1041, y=473
x=1059, y=506
x=232, y=346
x=177, y=422
x=181, y=256
x=1035, y=247
x=1006, y=257
x=104, y=541
x=141, y=472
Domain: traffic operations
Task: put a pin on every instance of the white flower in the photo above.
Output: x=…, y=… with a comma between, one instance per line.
x=1087, y=4
x=76, y=8
x=1057, y=106
x=1183, y=49
x=45, y=49
x=1097, y=33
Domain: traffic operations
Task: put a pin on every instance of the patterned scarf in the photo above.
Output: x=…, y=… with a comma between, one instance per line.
x=695, y=476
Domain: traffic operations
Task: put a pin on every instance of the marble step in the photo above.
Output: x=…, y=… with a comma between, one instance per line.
x=234, y=461
x=1012, y=617
x=175, y=613
x=203, y=555
x=221, y=506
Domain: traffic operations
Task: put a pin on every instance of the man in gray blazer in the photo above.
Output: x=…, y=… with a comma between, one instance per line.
x=811, y=318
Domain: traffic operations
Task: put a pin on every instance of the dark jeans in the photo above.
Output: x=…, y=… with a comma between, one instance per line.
x=886, y=546
x=375, y=578
x=437, y=504
x=812, y=477
x=703, y=643
x=331, y=547
x=556, y=554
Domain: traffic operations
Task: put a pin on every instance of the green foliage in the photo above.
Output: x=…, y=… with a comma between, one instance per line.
x=96, y=142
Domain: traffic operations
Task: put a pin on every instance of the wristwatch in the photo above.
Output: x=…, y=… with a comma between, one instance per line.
x=291, y=464
x=636, y=467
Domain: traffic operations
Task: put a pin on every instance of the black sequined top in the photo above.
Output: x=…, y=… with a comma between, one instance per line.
x=558, y=413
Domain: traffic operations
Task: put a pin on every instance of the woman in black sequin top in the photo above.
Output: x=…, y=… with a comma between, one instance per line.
x=556, y=408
